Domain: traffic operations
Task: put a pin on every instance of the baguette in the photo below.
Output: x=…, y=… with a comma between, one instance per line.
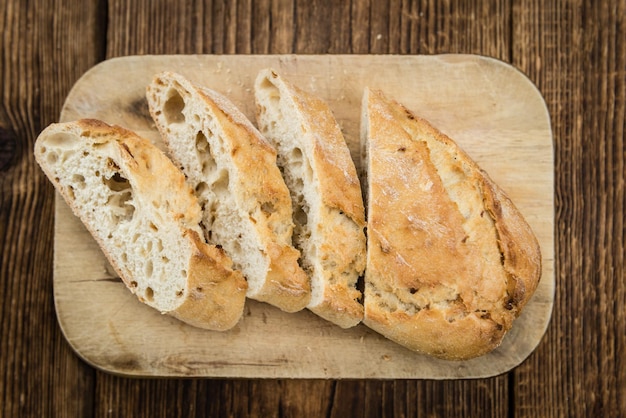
x=451, y=262
x=232, y=168
x=326, y=194
x=135, y=203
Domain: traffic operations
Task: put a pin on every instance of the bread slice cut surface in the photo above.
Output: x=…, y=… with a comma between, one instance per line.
x=325, y=191
x=135, y=203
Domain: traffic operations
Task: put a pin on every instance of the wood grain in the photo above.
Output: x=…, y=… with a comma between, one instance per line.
x=573, y=50
x=39, y=371
x=584, y=89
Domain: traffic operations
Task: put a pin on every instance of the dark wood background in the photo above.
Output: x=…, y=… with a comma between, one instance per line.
x=573, y=50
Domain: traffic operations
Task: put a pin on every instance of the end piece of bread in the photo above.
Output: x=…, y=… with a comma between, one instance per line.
x=232, y=168
x=451, y=262
x=325, y=190
x=135, y=203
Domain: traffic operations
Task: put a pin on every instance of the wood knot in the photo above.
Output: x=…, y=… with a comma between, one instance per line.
x=8, y=148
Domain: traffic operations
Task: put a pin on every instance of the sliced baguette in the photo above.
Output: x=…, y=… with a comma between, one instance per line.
x=325, y=191
x=232, y=168
x=451, y=262
x=136, y=204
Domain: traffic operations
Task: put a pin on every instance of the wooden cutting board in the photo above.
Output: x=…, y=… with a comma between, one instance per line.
x=493, y=111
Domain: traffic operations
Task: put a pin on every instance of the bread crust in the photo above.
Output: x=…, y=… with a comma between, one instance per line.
x=339, y=185
x=337, y=218
x=254, y=180
x=214, y=294
x=217, y=294
x=451, y=261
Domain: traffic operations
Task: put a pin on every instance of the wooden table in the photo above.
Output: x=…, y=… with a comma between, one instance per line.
x=575, y=53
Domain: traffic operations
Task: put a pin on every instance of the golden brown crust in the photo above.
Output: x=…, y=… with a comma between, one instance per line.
x=519, y=246
x=340, y=306
x=216, y=291
x=430, y=332
x=451, y=261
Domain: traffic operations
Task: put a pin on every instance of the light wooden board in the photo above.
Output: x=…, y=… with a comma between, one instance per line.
x=493, y=111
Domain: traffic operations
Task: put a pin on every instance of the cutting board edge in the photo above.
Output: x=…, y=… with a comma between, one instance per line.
x=103, y=64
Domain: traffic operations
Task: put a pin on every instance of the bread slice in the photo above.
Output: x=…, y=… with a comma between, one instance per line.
x=325, y=191
x=136, y=205
x=451, y=262
x=232, y=168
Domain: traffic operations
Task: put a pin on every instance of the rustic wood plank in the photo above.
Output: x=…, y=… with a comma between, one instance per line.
x=261, y=27
x=310, y=397
x=312, y=27
x=536, y=52
x=584, y=89
x=347, y=399
x=573, y=50
x=359, y=28
x=241, y=27
x=272, y=27
x=167, y=398
x=283, y=27
x=410, y=398
x=46, y=47
x=148, y=27
x=484, y=398
x=379, y=26
x=428, y=27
